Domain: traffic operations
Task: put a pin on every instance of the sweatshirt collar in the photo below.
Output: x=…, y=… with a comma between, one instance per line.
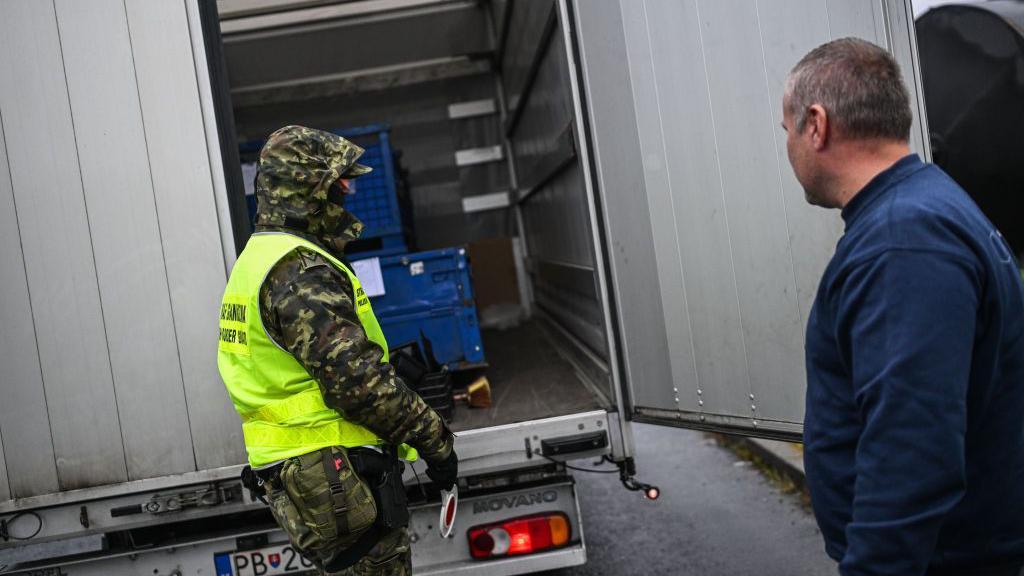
x=879, y=184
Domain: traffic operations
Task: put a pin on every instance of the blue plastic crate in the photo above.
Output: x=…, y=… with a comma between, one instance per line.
x=376, y=200
x=431, y=293
x=453, y=332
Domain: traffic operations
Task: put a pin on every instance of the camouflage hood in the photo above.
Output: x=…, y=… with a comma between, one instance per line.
x=295, y=190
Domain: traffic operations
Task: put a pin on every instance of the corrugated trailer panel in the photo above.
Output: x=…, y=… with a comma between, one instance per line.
x=810, y=228
x=5, y=488
x=785, y=39
x=631, y=246
x=755, y=214
x=685, y=195
x=552, y=188
x=112, y=249
x=58, y=252
x=126, y=238
x=182, y=183
x=526, y=27
x=27, y=462
x=738, y=252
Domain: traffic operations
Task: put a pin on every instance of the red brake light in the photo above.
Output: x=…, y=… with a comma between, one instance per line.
x=524, y=535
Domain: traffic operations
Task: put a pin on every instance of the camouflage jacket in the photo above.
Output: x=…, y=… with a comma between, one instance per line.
x=306, y=303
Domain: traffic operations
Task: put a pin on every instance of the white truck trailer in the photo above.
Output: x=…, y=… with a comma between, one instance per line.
x=670, y=256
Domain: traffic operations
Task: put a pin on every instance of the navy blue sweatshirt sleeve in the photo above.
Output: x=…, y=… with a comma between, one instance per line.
x=906, y=331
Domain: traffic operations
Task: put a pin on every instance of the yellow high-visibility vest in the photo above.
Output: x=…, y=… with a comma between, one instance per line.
x=282, y=409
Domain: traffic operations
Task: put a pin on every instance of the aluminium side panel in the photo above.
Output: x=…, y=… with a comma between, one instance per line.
x=759, y=233
x=22, y=403
x=525, y=32
x=112, y=252
x=619, y=177
x=126, y=237
x=553, y=185
x=58, y=252
x=27, y=464
x=5, y=487
x=785, y=39
x=685, y=196
x=737, y=252
x=901, y=35
x=187, y=214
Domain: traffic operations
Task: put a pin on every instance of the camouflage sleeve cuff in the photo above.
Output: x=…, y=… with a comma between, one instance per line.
x=440, y=450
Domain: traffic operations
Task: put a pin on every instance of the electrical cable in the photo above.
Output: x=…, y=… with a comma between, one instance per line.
x=579, y=469
x=650, y=492
x=6, y=523
x=423, y=491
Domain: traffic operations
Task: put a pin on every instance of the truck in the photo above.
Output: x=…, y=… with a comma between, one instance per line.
x=668, y=258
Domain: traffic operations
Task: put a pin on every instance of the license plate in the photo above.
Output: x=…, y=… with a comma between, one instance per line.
x=269, y=561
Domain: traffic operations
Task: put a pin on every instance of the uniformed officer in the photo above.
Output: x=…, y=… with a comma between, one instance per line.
x=306, y=365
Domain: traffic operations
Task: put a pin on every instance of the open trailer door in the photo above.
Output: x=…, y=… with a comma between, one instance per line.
x=558, y=215
x=712, y=253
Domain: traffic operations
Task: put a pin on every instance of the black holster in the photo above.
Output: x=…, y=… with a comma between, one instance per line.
x=383, y=473
x=252, y=482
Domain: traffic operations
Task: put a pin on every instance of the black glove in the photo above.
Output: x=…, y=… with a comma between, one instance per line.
x=444, y=473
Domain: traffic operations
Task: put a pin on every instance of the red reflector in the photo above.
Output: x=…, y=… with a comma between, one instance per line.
x=524, y=535
x=449, y=513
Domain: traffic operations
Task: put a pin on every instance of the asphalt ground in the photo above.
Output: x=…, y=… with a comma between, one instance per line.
x=718, y=514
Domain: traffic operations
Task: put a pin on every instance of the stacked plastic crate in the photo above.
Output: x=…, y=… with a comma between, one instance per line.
x=377, y=202
x=428, y=296
x=428, y=299
x=421, y=297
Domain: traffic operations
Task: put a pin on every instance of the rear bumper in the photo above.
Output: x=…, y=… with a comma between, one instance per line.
x=434, y=555
x=573, y=556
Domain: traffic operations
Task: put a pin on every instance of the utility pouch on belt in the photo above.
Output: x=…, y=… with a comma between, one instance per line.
x=383, y=473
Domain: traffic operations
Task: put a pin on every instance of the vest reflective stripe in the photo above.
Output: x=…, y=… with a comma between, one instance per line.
x=301, y=404
x=282, y=408
x=334, y=433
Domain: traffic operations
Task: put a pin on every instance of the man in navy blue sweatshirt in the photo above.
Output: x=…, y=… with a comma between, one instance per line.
x=914, y=431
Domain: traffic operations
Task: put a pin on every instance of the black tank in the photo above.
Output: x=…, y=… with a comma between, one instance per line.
x=972, y=62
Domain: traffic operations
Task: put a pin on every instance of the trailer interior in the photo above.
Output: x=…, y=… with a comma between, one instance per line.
x=478, y=100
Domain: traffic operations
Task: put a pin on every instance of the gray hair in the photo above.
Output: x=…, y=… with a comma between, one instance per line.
x=858, y=84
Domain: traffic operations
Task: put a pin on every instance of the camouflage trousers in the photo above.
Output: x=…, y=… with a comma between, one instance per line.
x=392, y=556
x=321, y=524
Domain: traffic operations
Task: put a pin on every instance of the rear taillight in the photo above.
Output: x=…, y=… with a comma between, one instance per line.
x=524, y=535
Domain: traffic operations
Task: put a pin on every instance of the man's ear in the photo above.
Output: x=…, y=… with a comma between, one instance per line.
x=819, y=126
